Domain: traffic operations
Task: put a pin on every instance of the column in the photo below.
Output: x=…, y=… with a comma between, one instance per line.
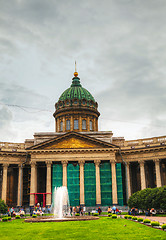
x=4, y=182
x=71, y=123
x=80, y=123
x=20, y=185
x=64, y=163
x=128, y=179
x=33, y=186
x=88, y=126
x=142, y=175
x=48, y=184
x=64, y=124
x=114, y=185
x=57, y=120
x=94, y=124
x=98, y=189
x=82, y=197
x=158, y=173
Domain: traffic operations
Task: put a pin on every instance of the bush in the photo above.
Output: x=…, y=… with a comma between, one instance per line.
x=129, y=217
x=114, y=216
x=17, y=217
x=163, y=226
x=134, y=218
x=140, y=219
x=95, y=214
x=5, y=219
x=126, y=216
x=146, y=221
x=155, y=224
x=109, y=214
x=77, y=214
x=3, y=207
x=34, y=216
x=9, y=218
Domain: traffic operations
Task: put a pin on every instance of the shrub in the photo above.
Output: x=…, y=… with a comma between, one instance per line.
x=140, y=219
x=163, y=226
x=109, y=214
x=3, y=207
x=146, y=221
x=5, y=219
x=9, y=218
x=126, y=216
x=155, y=224
x=114, y=216
x=95, y=214
x=17, y=217
x=34, y=216
x=129, y=217
x=134, y=218
x=77, y=214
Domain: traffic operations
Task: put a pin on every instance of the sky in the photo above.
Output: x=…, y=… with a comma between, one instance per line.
x=120, y=49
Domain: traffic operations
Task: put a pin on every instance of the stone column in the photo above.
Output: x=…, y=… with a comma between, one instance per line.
x=64, y=163
x=142, y=175
x=88, y=124
x=33, y=185
x=128, y=179
x=80, y=123
x=71, y=123
x=114, y=184
x=64, y=124
x=58, y=123
x=48, y=184
x=4, y=182
x=158, y=173
x=20, y=185
x=82, y=197
x=98, y=189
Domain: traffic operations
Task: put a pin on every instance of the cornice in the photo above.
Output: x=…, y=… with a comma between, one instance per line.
x=143, y=150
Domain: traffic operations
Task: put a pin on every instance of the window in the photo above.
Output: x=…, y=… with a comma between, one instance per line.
x=75, y=101
x=67, y=124
x=90, y=125
x=61, y=126
x=83, y=124
x=76, y=124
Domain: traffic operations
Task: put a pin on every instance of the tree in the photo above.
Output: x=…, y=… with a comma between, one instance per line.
x=3, y=207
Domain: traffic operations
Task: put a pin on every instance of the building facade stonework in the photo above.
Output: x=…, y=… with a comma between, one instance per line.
x=97, y=168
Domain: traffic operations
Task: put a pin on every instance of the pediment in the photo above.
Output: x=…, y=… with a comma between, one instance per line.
x=72, y=140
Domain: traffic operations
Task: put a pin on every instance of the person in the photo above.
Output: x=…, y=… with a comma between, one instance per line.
x=49, y=210
x=153, y=211
x=133, y=211
x=84, y=210
x=109, y=209
x=74, y=211
x=117, y=210
x=114, y=209
x=71, y=210
x=99, y=210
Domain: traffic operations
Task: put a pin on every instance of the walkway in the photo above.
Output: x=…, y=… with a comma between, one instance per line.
x=161, y=220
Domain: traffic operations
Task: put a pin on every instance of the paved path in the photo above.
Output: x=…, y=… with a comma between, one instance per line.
x=161, y=220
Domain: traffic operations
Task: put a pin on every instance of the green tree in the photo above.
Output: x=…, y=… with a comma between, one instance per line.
x=3, y=207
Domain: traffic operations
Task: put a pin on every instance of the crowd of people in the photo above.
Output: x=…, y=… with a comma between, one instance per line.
x=114, y=210
x=149, y=212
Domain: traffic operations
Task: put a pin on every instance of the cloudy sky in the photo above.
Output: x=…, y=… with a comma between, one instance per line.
x=120, y=49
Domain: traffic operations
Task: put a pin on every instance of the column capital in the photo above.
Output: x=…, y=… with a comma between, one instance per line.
x=156, y=160
x=97, y=162
x=128, y=163
x=81, y=162
x=112, y=161
x=141, y=162
x=33, y=164
x=64, y=162
x=48, y=163
x=5, y=165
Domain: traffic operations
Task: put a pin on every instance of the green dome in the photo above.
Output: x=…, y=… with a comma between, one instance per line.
x=76, y=91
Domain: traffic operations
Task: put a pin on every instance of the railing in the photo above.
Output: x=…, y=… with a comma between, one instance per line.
x=12, y=146
x=146, y=141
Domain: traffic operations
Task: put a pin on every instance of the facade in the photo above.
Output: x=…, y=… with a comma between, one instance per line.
x=97, y=168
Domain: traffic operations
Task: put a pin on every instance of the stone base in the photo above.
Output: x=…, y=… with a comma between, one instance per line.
x=51, y=219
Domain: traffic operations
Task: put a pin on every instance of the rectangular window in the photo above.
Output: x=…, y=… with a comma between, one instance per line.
x=83, y=124
x=76, y=124
x=61, y=126
x=67, y=124
x=91, y=125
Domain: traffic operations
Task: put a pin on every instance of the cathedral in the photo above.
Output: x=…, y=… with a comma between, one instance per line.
x=97, y=168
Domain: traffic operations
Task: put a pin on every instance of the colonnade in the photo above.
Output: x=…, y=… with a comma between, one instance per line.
x=33, y=183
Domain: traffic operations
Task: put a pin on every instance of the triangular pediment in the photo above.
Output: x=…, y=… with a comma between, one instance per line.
x=72, y=140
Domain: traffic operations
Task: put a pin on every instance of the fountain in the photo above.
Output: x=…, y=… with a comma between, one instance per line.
x=61, y=206
x=61, y=209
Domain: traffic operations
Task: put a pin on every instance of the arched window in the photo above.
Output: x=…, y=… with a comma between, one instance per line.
x=76, y=124
x=61, y=126
x=83, y=124
x=90, y=125
x=67, y=124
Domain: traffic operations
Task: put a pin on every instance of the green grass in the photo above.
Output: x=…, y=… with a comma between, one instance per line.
x=104, y=228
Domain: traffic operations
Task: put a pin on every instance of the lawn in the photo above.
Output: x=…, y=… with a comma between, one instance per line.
x=104, y=228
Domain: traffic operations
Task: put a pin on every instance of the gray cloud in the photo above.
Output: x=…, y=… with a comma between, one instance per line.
x=119, y=46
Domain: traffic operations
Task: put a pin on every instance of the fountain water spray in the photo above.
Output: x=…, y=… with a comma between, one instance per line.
x=61, y=202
